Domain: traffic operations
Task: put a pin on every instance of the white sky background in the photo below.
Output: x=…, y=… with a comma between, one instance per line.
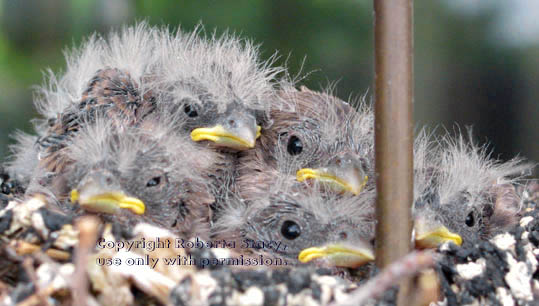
x=517, y=23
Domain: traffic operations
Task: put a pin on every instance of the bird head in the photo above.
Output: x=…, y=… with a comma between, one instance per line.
x=466, y=195
x=312, y=227
x=147, y=173
x=100, y=191
x=221, y=86
x=318, y=138
x=237, y=128
x=342, y=172
x=433, y=226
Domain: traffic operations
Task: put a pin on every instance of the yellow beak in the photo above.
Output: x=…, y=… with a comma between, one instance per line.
x=350, y=183
x=433, y=238
x=108, y=202
x=338, y=255
x=241, y=139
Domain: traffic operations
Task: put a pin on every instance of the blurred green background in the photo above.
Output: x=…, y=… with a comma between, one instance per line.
x=476, y=62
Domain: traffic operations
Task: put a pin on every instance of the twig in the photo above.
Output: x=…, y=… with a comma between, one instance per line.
x=88, y=230
x=40, y=296
x=49, y=289
x=393, y=132
x=24, y=248
x=390, y=276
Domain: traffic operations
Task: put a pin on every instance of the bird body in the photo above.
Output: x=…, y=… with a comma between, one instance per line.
x=108, y=76
x=110, y=92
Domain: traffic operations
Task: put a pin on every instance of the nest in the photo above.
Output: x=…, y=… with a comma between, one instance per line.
x=49, y=259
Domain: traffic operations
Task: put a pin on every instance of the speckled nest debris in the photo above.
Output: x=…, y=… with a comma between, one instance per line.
x=37, y=247
x=502, y=271
x=299, y=286
x=188, y=285
x=8, y=188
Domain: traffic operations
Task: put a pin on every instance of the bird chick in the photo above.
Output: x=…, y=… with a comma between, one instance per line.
x=308, y=226
x=148, y=173
x=116, y=66
x=461, y=194
x=112, y=93
x=314, y=137
x=105, y=76
x=220, y=84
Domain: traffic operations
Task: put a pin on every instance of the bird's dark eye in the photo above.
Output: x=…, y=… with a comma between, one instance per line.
x=294, y=146
x=470, y=219
x=290, y=230
x=190, y=110
x=154, y=182
x=6, y=187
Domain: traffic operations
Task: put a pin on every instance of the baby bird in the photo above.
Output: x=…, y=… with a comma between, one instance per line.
x=103, y=77
x=463, y=195
x=111, y=93
x=147, y=173
x=220, y=84
x=314, y=137
x=308, y=226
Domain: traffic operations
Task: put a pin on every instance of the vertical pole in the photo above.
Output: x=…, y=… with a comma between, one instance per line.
x=393, y=83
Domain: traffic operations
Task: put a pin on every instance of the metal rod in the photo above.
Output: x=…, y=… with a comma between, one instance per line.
x=393, y=83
